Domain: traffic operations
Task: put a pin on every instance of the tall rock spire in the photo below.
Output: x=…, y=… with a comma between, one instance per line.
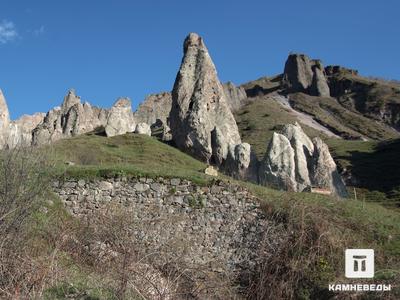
x=4, y=114
x=200, y=108
x=4, y=120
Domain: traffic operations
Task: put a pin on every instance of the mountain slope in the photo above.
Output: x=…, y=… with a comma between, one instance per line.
x=326, y=225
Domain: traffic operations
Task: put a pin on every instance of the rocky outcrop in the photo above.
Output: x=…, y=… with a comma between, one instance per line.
x=120, y=118
x=71, y=119
x=201, y=121
x=154, y=107
x=303, y=149
x=143, y=128
x=319, y=85
x=293, y=162
x=304, y=75
x=323, y=171
x=241, y=163
x=235, y=95
x=278, y=168
x=20, y=131
x=298, y=74
x=4, y=119
x=334, y=70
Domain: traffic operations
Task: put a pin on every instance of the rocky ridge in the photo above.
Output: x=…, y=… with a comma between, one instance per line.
x=304, y=75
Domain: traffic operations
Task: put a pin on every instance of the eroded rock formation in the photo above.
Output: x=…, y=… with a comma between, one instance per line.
x=71, y=119
x=154, y=107
x=304, y=75
x=235, y=95
x=294, y=162
x=201, y=121
x=278, y=168
x=143, y=128
x=120, y=118
x=4, y=118
x=323, y=171
x=20, y=131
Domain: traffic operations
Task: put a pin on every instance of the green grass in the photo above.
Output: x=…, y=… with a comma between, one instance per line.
x=375, y=164
x=344, y=122
x=336, y=226
x=330, y=225
x=258, y=120
x=130, y=155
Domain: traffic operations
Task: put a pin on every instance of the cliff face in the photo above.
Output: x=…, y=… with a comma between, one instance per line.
x=374, y=98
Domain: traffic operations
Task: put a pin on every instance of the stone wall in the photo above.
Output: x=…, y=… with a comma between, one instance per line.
x=220, y=226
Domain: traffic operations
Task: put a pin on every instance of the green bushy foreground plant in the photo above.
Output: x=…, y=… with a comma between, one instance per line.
x=47, y=254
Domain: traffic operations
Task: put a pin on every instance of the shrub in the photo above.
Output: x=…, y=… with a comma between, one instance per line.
x=24, y=179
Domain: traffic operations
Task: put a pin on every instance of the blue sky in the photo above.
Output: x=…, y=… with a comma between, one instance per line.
x=107, y=49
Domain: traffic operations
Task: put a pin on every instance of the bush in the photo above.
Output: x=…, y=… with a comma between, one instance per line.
x=24, y=178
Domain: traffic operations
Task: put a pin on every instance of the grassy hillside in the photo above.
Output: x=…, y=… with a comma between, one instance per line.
x=344, y=122
x=312, y=221
x=315, y=229
x=375, y=98
x=260, y=118
x=131, y=154
x=373, y=163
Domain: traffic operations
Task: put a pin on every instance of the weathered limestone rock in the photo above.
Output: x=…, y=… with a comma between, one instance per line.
x=303, y=149
x=298, y=74
x=304, y=75
x=278, y=166
x=323, y=171
x=235, y=95
x=120, y=119
x=154, y=107
x=294, y=162
x=199, y=106
x=319, y=86
x=20, y=131
x=4, y=119
x=143, y=128
x=210, y=170
x=241, y=163
x=71, y=119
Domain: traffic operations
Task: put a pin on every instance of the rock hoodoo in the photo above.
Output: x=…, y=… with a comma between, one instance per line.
x=235, y=95
x=304, y=75
x=278, y=166
x=71, y=119
x=201, y=121
x=154, y=107
x=20, y=130
x=294, y=162
x=4, y=119
x=323, y=171
x=120, y=118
